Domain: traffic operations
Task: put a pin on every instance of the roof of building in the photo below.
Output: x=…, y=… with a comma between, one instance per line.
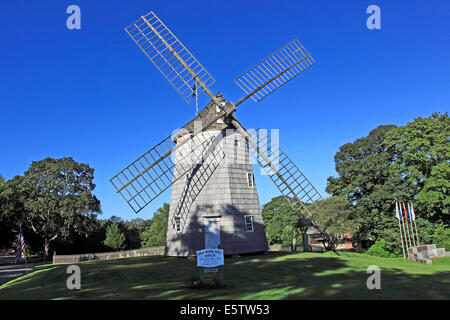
x=208, y=113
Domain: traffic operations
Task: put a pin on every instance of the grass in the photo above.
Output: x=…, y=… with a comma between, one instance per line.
x=269, y=276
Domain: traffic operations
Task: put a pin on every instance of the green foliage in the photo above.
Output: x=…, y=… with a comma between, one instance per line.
x=335, y=219
x=114, y=238
x=381, y=249
x=410, y=163
x=421, y=156
x=367, y=181
x=283, y=225
x=155, y=234
x=133, y=230
x=441, y=237
x=53, y=200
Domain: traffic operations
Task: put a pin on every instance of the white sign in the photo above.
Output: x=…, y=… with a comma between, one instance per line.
x=210, y=258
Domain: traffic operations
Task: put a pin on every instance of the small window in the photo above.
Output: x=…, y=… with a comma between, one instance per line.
x=250, y=180
x=177, y=222
x=249, y=223
x=237, y=143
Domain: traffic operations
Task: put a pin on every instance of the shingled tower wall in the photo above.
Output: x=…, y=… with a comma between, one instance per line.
x=223, y=190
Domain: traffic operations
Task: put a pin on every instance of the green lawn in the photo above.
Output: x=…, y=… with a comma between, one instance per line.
x=268, y=276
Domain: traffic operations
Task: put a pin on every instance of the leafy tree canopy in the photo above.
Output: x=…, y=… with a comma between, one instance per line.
x=409, y=163
x=336, y=221
x=155, y=235
x=282, y=224
x=114, y=238
x=57, y=198
x=421, y=153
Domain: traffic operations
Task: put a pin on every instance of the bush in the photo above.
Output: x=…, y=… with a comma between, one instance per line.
x=114, y=238
x=381, y=249
x=441, y=237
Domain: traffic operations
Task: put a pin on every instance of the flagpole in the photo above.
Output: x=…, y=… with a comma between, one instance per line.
x=21, y=247
x=25, y=256
x=414, y=216
x=407, y=227
x=196, y=99
x=400, y=227
x=404, y=229
x=410, y=222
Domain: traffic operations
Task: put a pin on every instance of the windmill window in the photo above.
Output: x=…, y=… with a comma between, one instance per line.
x=177, y=222
x=249, y=227
x=250, y=180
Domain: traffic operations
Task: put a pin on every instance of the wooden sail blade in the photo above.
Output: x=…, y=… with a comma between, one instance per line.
x=288, y=178
x=274, y=71
x=151, y=174
x=301, y=195
x=170, y=56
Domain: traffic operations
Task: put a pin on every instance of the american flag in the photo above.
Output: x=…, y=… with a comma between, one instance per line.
x=20, y=245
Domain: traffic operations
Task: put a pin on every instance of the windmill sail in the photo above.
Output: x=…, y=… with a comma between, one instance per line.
x=274, y=71
x=301, y=195
x=153, y=173
x=288, y=178
x=170, y=56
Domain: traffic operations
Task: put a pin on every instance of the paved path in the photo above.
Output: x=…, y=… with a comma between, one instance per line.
x=10, y=271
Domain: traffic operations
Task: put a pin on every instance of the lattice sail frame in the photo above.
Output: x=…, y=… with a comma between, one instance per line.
x=143, y=33
x=275, y=71
x=153, y=173
x=299, y=192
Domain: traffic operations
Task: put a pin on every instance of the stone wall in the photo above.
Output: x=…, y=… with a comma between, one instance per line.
x=73, y=258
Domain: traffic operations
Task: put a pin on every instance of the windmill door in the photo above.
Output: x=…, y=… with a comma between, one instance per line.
x=212, y=234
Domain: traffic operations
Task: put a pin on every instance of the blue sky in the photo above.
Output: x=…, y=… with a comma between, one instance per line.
x=92, y=95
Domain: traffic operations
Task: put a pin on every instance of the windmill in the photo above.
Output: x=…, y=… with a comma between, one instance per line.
x=214, y=202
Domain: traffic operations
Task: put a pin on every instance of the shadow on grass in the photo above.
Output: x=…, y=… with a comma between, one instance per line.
x=270, y=276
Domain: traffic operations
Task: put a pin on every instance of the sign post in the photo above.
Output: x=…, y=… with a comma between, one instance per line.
x=210, y=260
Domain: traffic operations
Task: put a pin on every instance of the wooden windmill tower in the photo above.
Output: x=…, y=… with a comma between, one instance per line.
x=214, y=202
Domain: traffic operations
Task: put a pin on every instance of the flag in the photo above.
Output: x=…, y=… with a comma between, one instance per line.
x=20, y=245
x=396, y=210
x=46, y=249
x=405, y=213
x=194, y=90
x=413, y=215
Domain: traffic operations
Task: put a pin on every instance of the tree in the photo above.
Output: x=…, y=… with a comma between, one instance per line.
x=155, y=235
x=114, y=238
x=441, y=237
x=57, y=198
x=133, y=231
x=283, y=225
x=421, y=152
x=409, y=163
x=336, y=220
x=366, y=179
